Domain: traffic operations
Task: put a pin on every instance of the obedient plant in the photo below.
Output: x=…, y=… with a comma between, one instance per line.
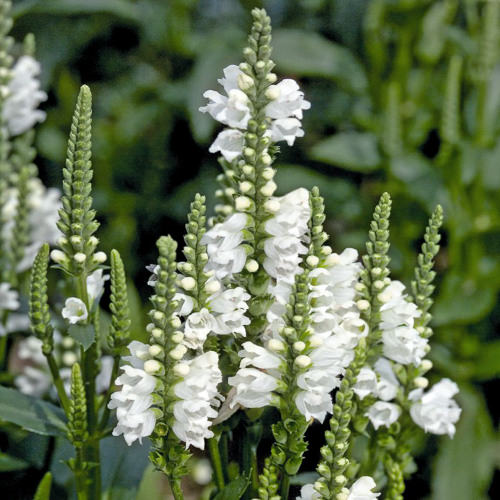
x=258, y=322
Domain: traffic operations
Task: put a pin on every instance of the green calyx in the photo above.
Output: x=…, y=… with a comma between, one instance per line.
x=77, y=218
x=119, y=331
x=77, y=415
x=39, y=307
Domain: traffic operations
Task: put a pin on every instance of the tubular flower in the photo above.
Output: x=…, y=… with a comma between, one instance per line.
x=20, y=110
x=133, y=401
x=198, y=396
x=435, y=410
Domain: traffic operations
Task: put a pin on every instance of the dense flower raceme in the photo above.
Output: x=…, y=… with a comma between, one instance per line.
x=435, y=410
x=360, y=490
x=43, y=204
x=336, y=327
x=20, y=110
x=284, y=111
x=136, y=418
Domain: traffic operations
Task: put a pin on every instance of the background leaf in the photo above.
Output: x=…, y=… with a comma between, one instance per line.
x=83, y=334
x=43, y=490
x=234, y=490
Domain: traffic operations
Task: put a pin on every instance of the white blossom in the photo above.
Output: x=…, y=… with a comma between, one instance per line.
x=387, y=385
x=9, y=299
x=133, y=401
x=290, y=101
x=95, y=284
x=231, y=109
x=33, y=381
x=286, y=129
x=314, y=400
x=226, y=255
x=16, y=322
x=435, y=410
x=229, y=143
x=382, y=413
x=229, y=307
x=258, y=357
x=361, y=490
x=396, y=310
x=198, y=396
x=197, y=327
x=254, y=388
x=366, y=383
x=404, y=345
x=307, y=492
x=20, y=110
x=74, y=310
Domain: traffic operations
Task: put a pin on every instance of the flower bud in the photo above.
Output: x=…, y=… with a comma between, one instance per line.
x=157, y=333
x=315, y=341
x=242, y=203
x=177, y=337
x=268, y=188
x=302, y=361
x=76, y=240
x=181, y=369
x=275, y=345
x=266, y=159
x=252, y=266
x=272, y=206
x=151, y=366
x=312, y=261
x=299, y=346
x=99, y=257
x=178, y=352
x=421, y=382
x=268, y=174
x=69, y=358
x=212, y=286
x=175, y=322
x=245, y=82
x=271, y=77
x=246, y=187
x=426, y=365
x=155, y=350
x=80, y=257
x=273, y=92
x=326, y=250
x=363, y=305
x=188, y=283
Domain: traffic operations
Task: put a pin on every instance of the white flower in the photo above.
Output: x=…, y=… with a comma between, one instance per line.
x=133, y=402
x=361, y=490
x=95, y=284
x=229, y=143
x=198, y=395
x=387, y=386
x=231, y=110
x=314, y=400
x=154, y=269
x=396, y=310
x=404, y=345
x=226, y=255
x=15, y=323
x=259, y=357
x=74, y=310
x=435, y=411
x=197, y=327
x=254, y=388
x=103, y=378
x=307, y=492
x=286, y=129
x=186, y=303
x=9, y=299
x=290, y=101
x=366, y=383
x=383, y=414
x=33, y=381
x=230, y=306
x=20, y=108
x=30, y=349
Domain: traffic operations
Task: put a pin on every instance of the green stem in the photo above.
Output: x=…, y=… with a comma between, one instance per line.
x=3, y=350
x=213, y=448
x=54, y=370
x=175, y=486
x=285, y=485
x=80, y=476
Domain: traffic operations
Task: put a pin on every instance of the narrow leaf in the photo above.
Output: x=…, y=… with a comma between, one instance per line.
x=43, y=490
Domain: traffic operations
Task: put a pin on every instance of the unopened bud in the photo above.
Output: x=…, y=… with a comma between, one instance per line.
x=155, y=350
x=175, y=322
x=315, y=341
x=246, y=187
x=252, y=266
x=58, y=256
x=333, y=259
x=212, y=286
x=272, y=206
x=312, y=261
x=426, y=365
x=178, y=352
x=242, y=203
x=99, y=257
x=268, y=174
x=245, y=82
x=273, y=92
x=157, y=333
x=152, y=366
x=271, y=77
x=302, y=361
x=177, y=337
x=266, y=159
x=188, y=283
x=80, y=257
x=299, y=346
x=275, y=345
x=363, y=305
x=181, y=369
x=69, y=358
x=421, y=382
x=268, y=189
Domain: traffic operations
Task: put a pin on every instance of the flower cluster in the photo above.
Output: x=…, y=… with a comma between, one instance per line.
x=133, y=401
x=20, y=110
x=360, y=490
x=233, y=110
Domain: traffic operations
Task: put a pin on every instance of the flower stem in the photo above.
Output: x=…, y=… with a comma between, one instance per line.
x=54, y=370
x=175, y=486
x=213, y=448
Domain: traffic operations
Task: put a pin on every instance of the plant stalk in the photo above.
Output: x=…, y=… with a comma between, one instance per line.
x=213, y=447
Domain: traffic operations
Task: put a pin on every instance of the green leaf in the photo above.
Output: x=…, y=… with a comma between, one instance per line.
x=83, y=334
x=234, y=490
x=8, y=463
x=356, y=151
x=122, y=467
x=305, y=53
x=487, y=362
x=31, y=413
x=465, y=464
x=43, y=490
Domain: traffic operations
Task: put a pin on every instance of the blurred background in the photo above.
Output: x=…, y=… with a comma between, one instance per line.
x=405, y=98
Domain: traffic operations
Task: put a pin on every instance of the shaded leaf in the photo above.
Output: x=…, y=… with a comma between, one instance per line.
x=8, y=463
x=234, y=490
x=356, y=151
x=31, y=413
x=465, y=464
x=83, y=334
x=309, y=54
x=487, y=362
x=43, y=490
